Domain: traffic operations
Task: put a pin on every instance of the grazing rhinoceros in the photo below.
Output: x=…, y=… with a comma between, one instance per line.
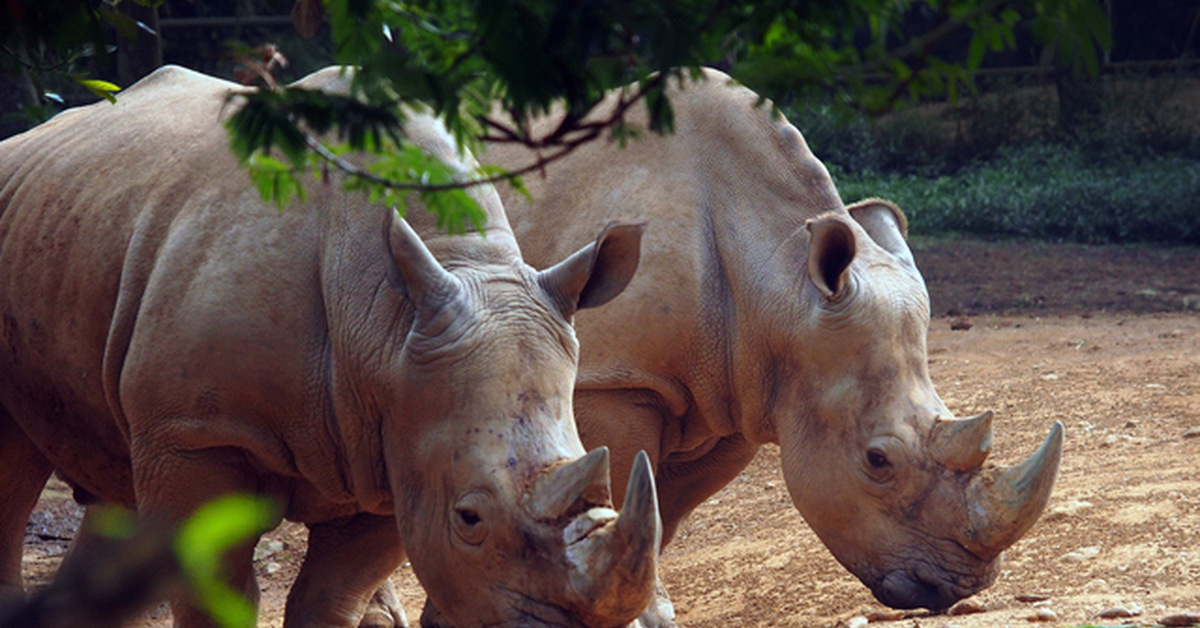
x=167, y=337
x=765, y=311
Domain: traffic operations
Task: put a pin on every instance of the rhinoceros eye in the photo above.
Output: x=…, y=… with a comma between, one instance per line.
x=468, y=519
x=877, y=459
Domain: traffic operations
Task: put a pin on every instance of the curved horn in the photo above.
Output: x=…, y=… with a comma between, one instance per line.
x=962, y=445
x=1002, y=508
x=615, y=563
x=412, y=269
x=577, y=485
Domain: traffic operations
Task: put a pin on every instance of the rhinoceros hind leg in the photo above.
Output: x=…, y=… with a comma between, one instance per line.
x=23, y=473
x=344, y=576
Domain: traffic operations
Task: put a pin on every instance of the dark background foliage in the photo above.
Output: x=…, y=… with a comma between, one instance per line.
x=1029, y=146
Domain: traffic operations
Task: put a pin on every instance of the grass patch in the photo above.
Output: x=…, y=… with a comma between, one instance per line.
x=1047, y=191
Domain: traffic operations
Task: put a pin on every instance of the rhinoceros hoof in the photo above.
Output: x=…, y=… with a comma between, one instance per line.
x=384, y=610
x=431, y=617
x=660, y=613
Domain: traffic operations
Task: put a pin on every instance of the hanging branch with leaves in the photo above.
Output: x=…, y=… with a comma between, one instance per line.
x=487, y=67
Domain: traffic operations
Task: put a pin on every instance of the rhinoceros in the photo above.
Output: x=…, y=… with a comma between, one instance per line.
x=168, y=337
x=767, y=311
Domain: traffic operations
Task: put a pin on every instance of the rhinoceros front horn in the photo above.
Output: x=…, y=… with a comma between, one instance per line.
x=1002, y=506
x=614, y=558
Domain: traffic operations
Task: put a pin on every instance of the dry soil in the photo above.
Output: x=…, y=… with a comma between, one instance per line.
x=1104, y=339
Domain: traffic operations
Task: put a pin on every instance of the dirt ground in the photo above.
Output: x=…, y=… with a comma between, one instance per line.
x=1104, y=339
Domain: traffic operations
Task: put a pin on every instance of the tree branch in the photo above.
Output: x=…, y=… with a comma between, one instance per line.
x=557, y=139
x=935, y=34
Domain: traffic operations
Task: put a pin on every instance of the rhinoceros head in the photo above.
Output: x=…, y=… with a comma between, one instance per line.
x=892, y=483
x=508, y=521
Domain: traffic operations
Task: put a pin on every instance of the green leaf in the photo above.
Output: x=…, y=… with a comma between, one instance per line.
x=103, y=89
x=276, y=181
x=205, y=538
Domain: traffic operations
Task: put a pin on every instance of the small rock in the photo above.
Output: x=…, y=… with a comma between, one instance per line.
x=1081, y=554
x=1029, y=598
x=857, y=622
x=1044, y=614
x=272, y=568
x=961, y=323
x=769, y=485
x=1117, y=612
x=1180, y=619
x=1191, y=302
x=967, y=607
x=1050, y=377
x=890, y=614
x=1193, y=432
x=1130, y=424
x=1067, y=508
x=268, y=548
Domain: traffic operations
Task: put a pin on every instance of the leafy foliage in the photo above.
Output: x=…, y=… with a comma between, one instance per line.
x=49, y=39
x=207, y=535
x=487, y=66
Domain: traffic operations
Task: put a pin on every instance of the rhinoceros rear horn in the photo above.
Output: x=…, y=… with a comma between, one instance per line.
x=412, y=269
x=615, y=563
x=576, y=487
x=962, y=445
x=1004, y=505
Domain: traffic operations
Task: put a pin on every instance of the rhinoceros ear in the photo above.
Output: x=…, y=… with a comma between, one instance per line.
x=598, y=272
x=831, y=248
x=412, y=269
x=886, y=225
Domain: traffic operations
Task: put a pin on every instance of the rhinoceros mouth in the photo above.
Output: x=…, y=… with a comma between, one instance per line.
x=926, y=586
x=588, y=522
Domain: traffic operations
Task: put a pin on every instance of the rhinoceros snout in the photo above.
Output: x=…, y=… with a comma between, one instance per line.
x=900, y=589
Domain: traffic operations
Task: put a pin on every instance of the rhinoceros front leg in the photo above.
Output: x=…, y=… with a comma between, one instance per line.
x=681, y=487
x=629, y=420
x=171, y=482
x=23, y=473
x=344, y=579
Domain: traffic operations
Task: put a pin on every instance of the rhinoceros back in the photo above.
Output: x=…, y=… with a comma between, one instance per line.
x=135, y=252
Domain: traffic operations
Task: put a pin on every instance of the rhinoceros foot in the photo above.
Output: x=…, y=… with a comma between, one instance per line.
x=660, y=613
x=384, y=610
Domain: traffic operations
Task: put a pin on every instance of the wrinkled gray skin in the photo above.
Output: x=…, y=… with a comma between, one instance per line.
x=167, y=337
x=766, y=311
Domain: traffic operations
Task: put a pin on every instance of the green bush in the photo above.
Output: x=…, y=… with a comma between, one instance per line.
x=999, y=163
x=1047, y=191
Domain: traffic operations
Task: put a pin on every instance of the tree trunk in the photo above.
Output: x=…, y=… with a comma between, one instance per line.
x=16, y=93
x=1080, y=101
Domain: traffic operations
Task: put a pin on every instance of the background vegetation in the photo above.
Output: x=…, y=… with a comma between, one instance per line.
x=1001, y=164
